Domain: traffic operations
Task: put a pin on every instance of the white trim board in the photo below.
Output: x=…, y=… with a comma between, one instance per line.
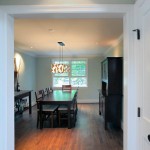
x=90, y=101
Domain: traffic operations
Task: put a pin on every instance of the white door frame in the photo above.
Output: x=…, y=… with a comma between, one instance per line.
x=7, y=14
x=140, y=48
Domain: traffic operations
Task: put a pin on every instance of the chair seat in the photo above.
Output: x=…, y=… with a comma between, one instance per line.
x=49, y=108
x=64, y=107
x=48, y=111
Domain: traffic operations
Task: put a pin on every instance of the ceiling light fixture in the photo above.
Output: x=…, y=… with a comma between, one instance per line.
x=60, y=67
x=51, y=30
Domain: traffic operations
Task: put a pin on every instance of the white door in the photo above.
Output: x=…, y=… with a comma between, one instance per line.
x=144, y=22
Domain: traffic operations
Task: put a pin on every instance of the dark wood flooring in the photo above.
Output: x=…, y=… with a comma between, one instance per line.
x=88, y=134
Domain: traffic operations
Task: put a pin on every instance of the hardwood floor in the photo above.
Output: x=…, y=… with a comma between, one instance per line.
x=88, y=134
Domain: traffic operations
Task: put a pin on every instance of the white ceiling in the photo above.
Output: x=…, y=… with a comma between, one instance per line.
x=84, y=34
x=60, y=2
x=82, y=37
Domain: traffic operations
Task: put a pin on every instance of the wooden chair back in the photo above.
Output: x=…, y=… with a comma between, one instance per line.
x=66, y=87
x=39, y=94
x=45, y=91
x=49, y=90
x=75, y=100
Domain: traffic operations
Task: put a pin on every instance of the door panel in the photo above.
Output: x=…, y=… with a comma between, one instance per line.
x=145, y=41
x=146, y=145
x=145, y=133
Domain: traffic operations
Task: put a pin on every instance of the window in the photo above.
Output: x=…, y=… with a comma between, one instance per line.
x=76, y=77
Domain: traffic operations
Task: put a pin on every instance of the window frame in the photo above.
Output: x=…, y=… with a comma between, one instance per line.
x=69, y=74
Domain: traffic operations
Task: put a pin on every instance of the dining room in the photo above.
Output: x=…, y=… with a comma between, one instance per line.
x=84, y=75
x=134, y=14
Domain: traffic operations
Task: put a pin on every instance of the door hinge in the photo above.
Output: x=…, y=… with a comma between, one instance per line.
x=138, y=112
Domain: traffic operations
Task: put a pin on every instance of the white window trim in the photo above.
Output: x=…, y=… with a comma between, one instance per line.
x=69, y=59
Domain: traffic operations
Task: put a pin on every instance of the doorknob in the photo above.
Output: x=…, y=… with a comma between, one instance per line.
x=148, y=137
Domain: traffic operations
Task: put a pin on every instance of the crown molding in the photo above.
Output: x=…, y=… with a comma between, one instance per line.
x=90, y=8
x=112, y=47
x=25, y=52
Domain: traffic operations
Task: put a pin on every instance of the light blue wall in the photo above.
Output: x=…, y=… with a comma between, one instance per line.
x=35, y=74
x=43, y=73
x=94, y=79
x=27, y=74
x=89, y=94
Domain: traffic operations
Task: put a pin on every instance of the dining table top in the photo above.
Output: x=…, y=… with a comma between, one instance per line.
x=58, y=97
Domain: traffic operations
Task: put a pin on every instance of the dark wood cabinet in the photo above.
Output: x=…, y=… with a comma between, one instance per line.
x=111, y=93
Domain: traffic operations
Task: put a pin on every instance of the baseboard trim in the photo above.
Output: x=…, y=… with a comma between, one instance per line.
x=88, y=101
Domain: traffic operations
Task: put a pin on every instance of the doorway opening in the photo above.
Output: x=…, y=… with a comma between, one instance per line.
x=126, y=46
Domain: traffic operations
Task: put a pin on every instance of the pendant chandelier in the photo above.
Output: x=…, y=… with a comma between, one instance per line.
x=60, y=67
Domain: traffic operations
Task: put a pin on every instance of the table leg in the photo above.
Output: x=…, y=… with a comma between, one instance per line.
x=30, y=107
x=69, y=115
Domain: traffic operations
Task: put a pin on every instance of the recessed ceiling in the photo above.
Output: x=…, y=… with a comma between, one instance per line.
x=82, y=37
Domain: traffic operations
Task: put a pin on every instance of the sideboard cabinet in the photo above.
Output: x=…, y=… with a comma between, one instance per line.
x=111, y=93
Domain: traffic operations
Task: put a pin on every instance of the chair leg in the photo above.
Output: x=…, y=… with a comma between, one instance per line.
x=37, y=120
x=52, y=119
x=76, y=106
x=74, y=118
x=76, y=114
x=59, y=116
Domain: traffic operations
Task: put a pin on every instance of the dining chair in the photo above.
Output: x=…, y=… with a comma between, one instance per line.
x=76, y=103
x=66, y=87
x=49, y=90
x=45, y=92
x=47, y=111
x=63, y=111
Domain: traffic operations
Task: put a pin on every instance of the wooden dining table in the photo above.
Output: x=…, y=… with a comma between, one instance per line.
x=57, y=97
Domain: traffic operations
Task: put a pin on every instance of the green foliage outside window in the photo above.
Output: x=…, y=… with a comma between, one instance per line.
x=78, y=68
x=76, y=77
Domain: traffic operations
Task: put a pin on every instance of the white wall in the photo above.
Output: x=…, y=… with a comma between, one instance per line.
x=89, y=94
